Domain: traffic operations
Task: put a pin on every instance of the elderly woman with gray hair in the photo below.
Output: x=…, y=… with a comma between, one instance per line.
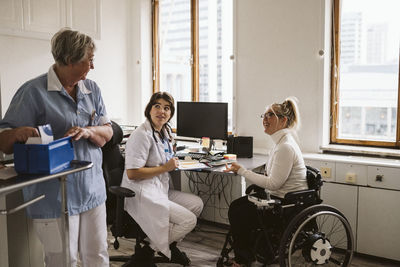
x=284, y=172
x=73, y=106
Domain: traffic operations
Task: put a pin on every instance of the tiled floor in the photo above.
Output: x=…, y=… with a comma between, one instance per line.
x=203, y=247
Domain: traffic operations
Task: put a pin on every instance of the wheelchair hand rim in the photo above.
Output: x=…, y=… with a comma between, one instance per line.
x=341, y=218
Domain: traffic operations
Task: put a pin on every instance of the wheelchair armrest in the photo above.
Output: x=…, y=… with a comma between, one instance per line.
x=260, y=202
x=121, y=191
x=254, y=188
x=307, y=196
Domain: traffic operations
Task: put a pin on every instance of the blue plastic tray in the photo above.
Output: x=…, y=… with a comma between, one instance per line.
x=37, y=158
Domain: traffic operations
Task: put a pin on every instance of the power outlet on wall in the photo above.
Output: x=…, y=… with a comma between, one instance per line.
x=351, y=177
x=325, y=172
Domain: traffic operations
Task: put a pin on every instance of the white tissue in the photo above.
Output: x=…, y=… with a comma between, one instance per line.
x=46, y=135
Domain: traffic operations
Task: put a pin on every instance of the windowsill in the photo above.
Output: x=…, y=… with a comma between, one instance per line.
x=361, y=151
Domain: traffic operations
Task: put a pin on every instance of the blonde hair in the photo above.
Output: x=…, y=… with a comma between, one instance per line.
x=289, y=110
x=70, y=47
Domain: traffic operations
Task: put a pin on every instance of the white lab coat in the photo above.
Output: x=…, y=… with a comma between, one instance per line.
x=149, y=207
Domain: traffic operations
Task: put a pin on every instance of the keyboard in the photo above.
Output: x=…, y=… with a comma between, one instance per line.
x=192, y=155
x=200, y=156
x=218, y=163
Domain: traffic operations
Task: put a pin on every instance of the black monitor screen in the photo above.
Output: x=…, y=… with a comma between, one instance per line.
x=202, y=119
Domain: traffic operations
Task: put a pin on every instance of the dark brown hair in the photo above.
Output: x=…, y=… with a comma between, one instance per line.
x=153, y=100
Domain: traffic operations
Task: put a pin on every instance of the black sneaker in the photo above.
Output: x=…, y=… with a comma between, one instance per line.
x=178, y=256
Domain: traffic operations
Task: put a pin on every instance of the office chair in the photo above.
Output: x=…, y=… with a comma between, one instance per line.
x=113, y=169
x=307, y=233
x=122, y=224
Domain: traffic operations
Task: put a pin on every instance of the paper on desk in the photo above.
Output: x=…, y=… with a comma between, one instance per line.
x=7, y=172
x=186, y=165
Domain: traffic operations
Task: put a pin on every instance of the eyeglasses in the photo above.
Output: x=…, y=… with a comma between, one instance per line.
x=269, y=114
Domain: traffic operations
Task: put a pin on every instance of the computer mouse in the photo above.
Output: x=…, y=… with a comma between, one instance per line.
x=204, y=161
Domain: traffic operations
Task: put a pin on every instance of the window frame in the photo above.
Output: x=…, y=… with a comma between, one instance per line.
x=335, y=70
x=194, y=18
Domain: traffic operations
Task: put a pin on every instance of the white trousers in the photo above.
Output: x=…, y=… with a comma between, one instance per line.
x=87, y=235
x=184, y=208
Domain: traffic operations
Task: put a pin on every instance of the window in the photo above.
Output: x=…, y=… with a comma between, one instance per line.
x=192, y=47
x=365, y=73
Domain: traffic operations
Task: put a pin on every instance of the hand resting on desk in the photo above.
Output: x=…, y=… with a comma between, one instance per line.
x=233, y=168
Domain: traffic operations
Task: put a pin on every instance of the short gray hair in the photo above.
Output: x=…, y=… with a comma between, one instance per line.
x=69, y=46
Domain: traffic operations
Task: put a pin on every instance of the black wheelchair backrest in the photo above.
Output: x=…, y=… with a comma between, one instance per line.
x=314, y=179
x=308, y=196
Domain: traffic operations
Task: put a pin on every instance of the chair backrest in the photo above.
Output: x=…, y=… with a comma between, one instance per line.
x=307, y=197
x=113, y=168
x=314, y=179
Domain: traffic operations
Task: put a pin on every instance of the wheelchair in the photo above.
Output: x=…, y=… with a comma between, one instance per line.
x=308, y=233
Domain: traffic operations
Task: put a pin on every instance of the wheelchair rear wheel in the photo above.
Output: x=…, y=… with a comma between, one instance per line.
x=319, y=235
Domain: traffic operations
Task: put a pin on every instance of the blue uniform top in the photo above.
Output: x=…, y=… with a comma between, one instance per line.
x=43, y=100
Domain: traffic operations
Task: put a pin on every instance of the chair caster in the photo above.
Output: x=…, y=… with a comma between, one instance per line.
x=220, y=262
x=116, y=244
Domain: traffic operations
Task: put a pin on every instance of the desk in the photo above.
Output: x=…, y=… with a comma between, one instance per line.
x=216, y=188
x=18, y=182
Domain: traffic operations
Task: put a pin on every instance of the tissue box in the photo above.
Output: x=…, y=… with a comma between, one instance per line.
x=43, y=158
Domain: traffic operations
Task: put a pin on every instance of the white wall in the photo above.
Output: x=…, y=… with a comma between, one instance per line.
x=139, y=72
x=119, y=69
x=111, y=56
x=277, y=45
x=21, y=59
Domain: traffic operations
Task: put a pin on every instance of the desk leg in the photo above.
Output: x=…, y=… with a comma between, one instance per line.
x=3, y=234
x=64, y=221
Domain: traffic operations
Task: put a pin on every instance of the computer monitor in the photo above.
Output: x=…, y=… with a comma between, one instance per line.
x=202, y=119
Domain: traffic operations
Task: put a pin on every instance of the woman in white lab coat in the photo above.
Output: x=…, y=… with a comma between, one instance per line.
x=165, y=215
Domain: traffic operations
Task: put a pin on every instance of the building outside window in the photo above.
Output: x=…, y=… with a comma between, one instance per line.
x=193, y=46
x=365, y=73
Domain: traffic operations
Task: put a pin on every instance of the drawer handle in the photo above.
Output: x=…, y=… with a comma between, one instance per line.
x=379, y=178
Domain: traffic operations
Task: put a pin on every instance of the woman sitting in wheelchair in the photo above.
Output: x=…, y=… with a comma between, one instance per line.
x=285, y=172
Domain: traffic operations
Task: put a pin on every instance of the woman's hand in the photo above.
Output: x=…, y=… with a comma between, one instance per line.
x=23, y=133
x=10, y=136
x=78, y=132
x=172, y=164
x=233, y=168
x=150, y=172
